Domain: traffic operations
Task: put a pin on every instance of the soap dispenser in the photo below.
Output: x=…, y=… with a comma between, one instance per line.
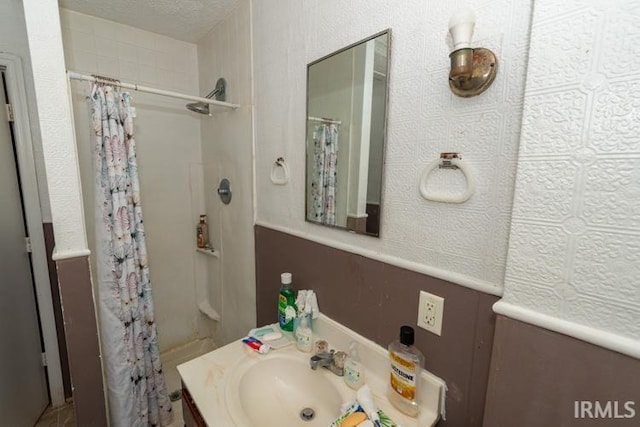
x=304, y=336
x=353, y=369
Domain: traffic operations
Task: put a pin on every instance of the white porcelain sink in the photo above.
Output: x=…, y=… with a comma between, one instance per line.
x=234, y=386
x=274, y=390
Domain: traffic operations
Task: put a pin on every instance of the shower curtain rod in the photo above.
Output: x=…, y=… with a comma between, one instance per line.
x=100, y=79
x=321, y=119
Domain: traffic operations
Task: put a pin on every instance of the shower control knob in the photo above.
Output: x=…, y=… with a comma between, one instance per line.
x=224, y=191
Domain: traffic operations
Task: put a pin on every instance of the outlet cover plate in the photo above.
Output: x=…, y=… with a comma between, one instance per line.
x=430, y=312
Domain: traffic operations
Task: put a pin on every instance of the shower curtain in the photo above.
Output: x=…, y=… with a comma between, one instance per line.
x=137, y=394
x=323, y=182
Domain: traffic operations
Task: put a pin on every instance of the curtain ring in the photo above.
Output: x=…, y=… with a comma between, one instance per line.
x=280, y=163
x=452, y=161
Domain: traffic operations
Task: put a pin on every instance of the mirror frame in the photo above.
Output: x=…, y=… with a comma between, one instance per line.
x=384, y=136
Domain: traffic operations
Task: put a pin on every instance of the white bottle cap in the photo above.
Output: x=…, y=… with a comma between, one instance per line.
x=285, y=278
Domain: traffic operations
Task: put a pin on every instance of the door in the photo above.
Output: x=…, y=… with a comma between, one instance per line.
x=23, y=382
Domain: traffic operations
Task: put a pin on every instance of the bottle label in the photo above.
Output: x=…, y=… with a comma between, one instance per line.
x=403, y=376
x=351, y=375
x=282, y=318
x=304, y=340
x=199, y=237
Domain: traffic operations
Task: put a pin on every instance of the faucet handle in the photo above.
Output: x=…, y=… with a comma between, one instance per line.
x=321, y=346
x=339, y=358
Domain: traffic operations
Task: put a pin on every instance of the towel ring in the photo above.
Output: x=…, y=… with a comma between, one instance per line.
x=280, y=163
x=448, y=161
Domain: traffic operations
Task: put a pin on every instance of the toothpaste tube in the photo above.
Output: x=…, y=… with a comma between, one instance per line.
x=256, y=345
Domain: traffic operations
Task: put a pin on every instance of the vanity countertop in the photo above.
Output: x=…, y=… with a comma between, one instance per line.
x=207, y=378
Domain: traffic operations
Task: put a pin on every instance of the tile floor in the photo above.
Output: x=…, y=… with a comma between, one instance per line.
x=64, y=416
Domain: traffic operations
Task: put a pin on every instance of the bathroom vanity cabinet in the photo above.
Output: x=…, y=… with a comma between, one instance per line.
x=190, y=413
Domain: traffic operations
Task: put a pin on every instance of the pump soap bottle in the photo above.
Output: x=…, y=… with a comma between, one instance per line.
x=286, y=298
x=406, y=365
x=353, y=369
x=304, y=336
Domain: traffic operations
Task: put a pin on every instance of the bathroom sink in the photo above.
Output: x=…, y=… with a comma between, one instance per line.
x=281, y=390
x=234, y=386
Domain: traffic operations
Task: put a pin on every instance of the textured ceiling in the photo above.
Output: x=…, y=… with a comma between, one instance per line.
x=187, y=20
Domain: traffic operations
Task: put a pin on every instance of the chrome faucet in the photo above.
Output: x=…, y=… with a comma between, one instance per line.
x=332, y=360
x=321, y=359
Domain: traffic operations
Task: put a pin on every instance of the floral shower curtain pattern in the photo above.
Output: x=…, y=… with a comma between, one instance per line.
x=137, y=393
x=323, y=183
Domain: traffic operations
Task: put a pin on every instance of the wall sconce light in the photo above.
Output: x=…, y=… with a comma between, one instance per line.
x=472, y=70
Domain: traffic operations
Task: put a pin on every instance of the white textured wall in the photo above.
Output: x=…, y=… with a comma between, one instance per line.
x=575, y=241
x=227, y=150
x=465, y=243
x=13, y=40
x=54, y=113
x=168, y=141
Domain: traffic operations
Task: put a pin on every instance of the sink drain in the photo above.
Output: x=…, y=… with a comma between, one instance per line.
x=307, y=414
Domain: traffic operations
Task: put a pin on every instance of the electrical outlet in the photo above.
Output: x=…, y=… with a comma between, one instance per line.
x=430, y=312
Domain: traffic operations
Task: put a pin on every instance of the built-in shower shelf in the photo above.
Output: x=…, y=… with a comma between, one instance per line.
x=209, y=251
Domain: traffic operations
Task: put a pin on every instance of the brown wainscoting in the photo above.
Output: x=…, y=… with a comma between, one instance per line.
x=50, y=243
x=374, y=299
x=81, y=332
x=537, y=376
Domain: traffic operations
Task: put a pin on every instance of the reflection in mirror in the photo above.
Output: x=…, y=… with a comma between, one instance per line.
x=346, y=132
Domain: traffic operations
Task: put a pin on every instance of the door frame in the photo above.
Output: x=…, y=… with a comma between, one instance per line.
x=13, y=70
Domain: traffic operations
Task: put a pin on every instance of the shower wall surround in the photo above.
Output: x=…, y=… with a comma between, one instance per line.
x=465, y=244
x=227, y=151
x=168, y=139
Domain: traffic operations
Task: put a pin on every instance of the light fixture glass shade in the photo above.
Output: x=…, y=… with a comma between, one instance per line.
x=461, y=27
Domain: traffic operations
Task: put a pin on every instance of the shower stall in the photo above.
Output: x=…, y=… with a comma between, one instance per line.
x=178, y=170
x=183, y=152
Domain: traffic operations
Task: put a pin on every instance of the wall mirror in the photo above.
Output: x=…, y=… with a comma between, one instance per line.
x=346, y=133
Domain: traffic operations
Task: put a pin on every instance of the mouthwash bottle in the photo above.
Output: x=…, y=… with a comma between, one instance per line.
x=286, y=298
x=406, y=366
